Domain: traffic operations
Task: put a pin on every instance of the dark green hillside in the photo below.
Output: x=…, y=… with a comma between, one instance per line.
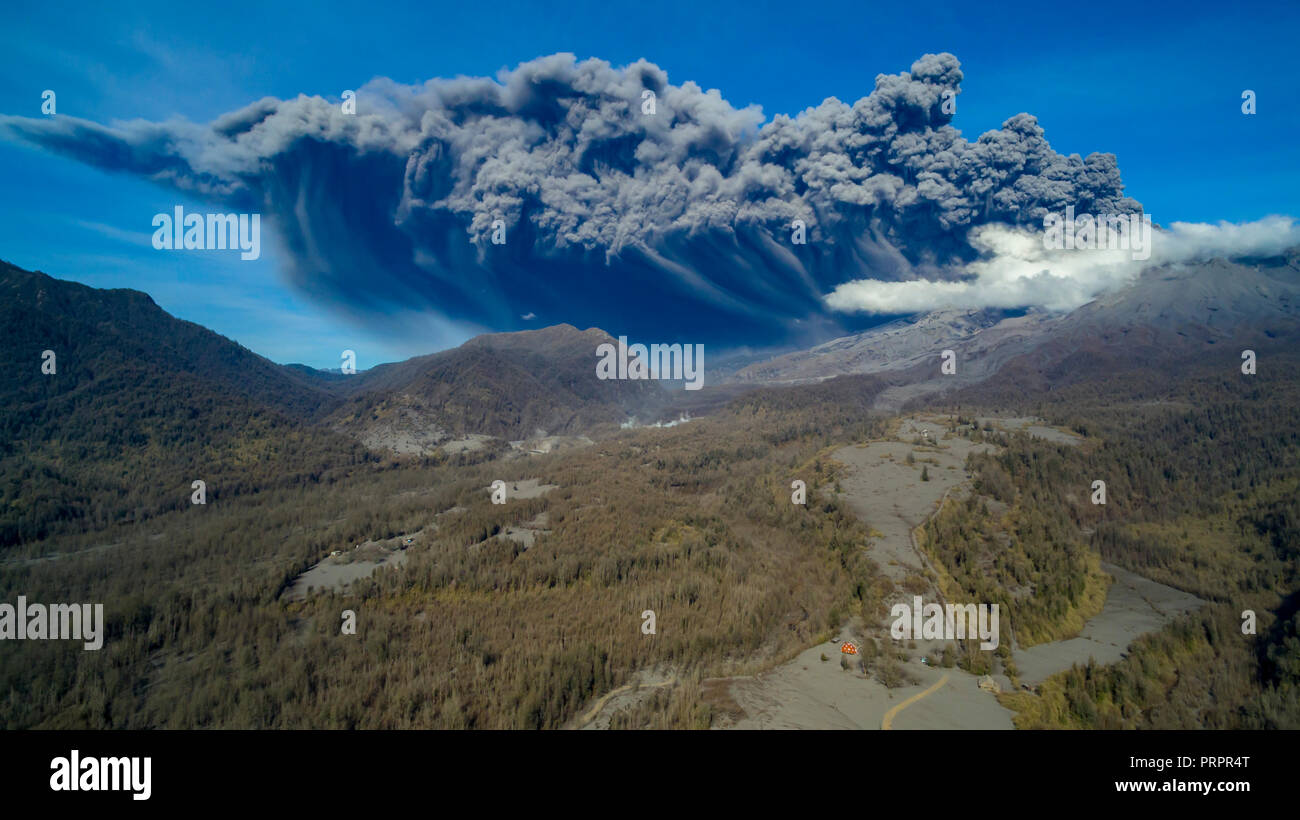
x=141, y=405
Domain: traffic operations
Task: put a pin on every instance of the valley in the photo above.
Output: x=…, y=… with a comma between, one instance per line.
x=623, y=497
x=882, y=487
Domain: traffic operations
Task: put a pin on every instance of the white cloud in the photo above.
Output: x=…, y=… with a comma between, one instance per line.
x=1018, y=271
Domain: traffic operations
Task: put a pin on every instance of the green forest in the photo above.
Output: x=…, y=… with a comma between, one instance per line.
x=1202, y=495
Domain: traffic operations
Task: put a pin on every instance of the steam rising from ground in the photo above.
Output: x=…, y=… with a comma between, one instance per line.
x=1019, y=272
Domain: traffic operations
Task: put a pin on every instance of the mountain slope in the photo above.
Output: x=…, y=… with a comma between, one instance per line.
x=898, y=345
x=1168, y=317
x=1168, y=312
x=94, y=332
x=140, y=405
x=508, y=385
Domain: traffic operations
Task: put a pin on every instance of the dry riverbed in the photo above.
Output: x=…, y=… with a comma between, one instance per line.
x=888, y=492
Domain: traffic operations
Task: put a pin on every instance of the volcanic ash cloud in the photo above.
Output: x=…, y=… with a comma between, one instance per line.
x=678, y=220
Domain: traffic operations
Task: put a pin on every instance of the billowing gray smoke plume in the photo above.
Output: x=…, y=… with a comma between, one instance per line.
x=672, y=223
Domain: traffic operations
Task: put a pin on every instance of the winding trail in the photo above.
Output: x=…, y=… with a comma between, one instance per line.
x=888, y=722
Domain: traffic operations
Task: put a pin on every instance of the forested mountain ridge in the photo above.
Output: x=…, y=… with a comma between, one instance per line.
x=138, y=405
x=94, y=332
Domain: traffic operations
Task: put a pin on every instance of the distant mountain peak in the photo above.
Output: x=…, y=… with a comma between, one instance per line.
x=561, y=334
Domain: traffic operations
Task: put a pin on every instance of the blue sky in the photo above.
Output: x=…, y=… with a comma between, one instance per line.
x=1159, y=86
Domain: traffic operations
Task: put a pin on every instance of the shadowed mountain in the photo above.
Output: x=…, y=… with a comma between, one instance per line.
x=96, y=333
x=507, y=385
x=139, y=405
